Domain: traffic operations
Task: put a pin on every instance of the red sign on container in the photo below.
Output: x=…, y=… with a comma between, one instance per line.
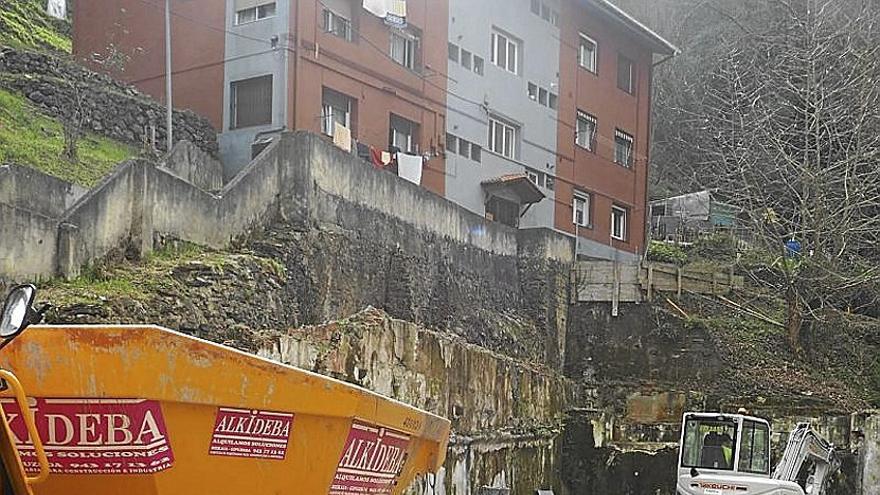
x=250, y=433
x=371, y=461
x=94, y=436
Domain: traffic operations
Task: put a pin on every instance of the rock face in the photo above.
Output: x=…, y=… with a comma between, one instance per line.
x=109, y=107
x=506, y=413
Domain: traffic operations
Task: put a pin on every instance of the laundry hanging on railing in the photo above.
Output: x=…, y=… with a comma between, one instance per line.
x=57, y=9
x=393, y=11
x=409, y=167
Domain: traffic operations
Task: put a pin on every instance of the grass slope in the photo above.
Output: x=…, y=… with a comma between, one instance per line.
x=30, y=138
x=25, y=24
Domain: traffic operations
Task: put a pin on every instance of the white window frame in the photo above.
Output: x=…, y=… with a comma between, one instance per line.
x=586, y=138
x=534, y=177
x=330, y=115
x=402, y=140
x=409, y=47
x=510, y=57
x=479, y=65
x=256, y=11
x=581, y=203
x=509, y=144
x=590, y=64
x=331, y=18
x=624, y=159
x=619, y=223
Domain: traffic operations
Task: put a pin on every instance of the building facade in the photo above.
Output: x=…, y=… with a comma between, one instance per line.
x=259, y=66
x=535, y=113
x=558, y=91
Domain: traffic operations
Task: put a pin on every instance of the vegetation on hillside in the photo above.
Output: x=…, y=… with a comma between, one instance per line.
x=25, y=24
x=30, y=138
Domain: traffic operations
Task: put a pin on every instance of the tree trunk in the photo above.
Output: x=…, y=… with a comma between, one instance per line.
x=795, y=319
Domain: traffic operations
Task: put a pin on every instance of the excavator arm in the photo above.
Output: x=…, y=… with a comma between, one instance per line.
x=805, y=444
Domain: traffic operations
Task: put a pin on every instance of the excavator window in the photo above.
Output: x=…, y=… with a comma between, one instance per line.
x=709, y=444
x=754, y=454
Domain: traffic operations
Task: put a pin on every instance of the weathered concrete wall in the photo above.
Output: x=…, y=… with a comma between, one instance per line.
x=195, y=166
x=870, y=466
x=340, y=177
x=28, y=243
x=29, y=189
x=506, y=414
x=396, y=245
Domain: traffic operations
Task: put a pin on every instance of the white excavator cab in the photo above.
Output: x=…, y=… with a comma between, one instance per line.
x=729, y=454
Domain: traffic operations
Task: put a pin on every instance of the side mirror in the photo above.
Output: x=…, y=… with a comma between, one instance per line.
x=17, y=311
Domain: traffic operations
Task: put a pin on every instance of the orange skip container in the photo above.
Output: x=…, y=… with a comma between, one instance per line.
x=144, y=410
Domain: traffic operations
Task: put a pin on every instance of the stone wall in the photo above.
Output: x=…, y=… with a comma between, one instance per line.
x=110, y=108
x=506, y=414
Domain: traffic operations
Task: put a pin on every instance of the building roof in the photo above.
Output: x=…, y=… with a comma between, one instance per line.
x=519, y=184
x=657, y=43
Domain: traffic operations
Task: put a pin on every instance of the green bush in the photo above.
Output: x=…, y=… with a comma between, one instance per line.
x=715, y=247
x=663, y=252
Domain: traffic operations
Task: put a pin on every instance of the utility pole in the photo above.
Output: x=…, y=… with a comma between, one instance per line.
x=168, y=101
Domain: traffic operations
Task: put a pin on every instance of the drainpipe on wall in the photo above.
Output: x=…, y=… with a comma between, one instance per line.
x=169, y=113
x=296, y=43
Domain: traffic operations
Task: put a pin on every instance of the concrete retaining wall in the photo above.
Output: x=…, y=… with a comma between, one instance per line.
x=300, y=176
x=506, y=414
x=29, y=189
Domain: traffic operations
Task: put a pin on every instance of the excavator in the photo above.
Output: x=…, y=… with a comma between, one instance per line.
x=729, y=454
x=143, y=410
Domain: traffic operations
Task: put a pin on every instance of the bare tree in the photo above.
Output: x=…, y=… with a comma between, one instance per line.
x=786, y=121
x=77, y=110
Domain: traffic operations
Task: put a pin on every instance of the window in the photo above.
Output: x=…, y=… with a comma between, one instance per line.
x=623, y=148
x=625, y=74
x=503, y=138
x=533, y=176
x=581, y=209
x=453, y=52
x=463, y=147
x=478, y=65
x=476, y=153
x=754, y=455
x=586, y=131
x=336, y=108
x=536, y=7
x=545, y=12
x=554, y=101
x=618, y=223
x=542, y=96
x=550, y=182
x=257, y=13
x=403, y=135
x=404, y=48
x=554, y=18
x=251, y=102
x=451, y=144
x=505, y=52
x=533, y=91
x=587, y=54
x=466, y=59
x=337, y=25
x=709, y=443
